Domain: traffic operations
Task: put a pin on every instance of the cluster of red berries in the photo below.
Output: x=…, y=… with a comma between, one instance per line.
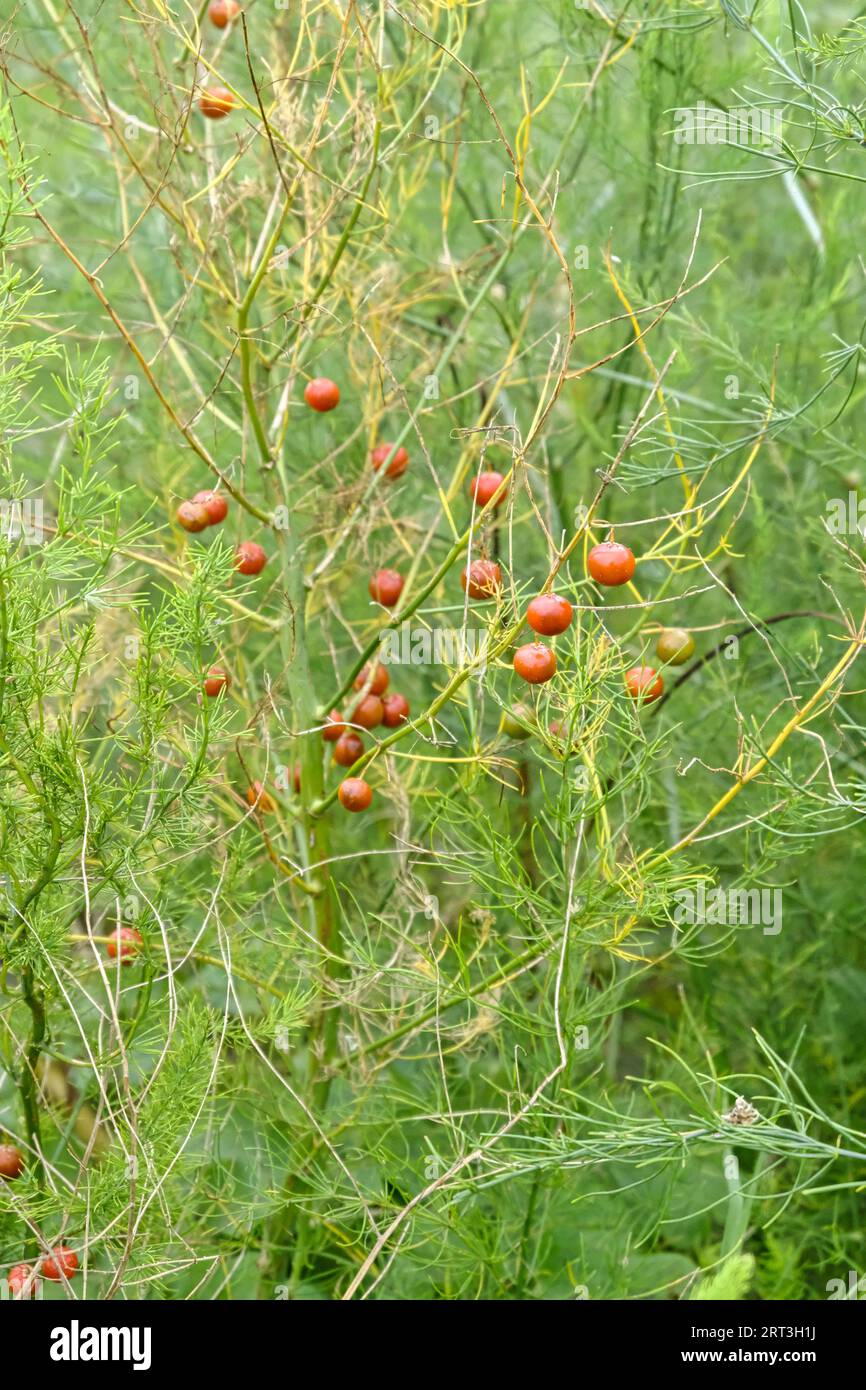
x=373, y=708
x=610, y=564
x=61, y=1263
x=385, y=587
x=216, y=102
x=211, y=508
x=549, y=615
x=322, y=395
x=205, y=509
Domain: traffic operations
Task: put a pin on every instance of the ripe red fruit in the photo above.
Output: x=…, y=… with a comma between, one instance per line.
x=368, y=712
x=379, y=683
x=549, y=614
x=61, y=1262
x=484, y=579
x=215, y=505
x=216, y=102
x=355, y=794
x=334, y=727
x=250, y=558
x=611, y=564
x=17, y=1279
x=127, y=941
x=535, y=663
x=215, y=681
x=483, y=487
x=221, y=12
x=11, y=1161
x=386, y=586
x=192, y=516
x=257, y=796
x=398, y=465
x=348, y=749
x=644, y=683
x=322, y=394
x=396, y=710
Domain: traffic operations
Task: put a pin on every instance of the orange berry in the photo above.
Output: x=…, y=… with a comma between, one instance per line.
x=126, y=943
x=485, y=486
x=386, y=586
x=396, y=711
x=322, y=394
x=215, y=505
x=535, y=663
x=484, y=579
x=379, y=683
x=399, y=463
x=262, y=800
x=611, y=564
x=216, y=680
x=192, y=516
x=334, y=727
x=216, y=102
x=355, y=794
x=644, y=684
x=549, y=614
x=250, y=558
x=368, y=712
x=348, y=748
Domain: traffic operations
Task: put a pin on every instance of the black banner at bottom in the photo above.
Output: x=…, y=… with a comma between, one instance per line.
x=143, y=1338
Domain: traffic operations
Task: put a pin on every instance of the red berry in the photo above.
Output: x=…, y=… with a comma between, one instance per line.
x=215, y=505
x=355, y=794
x=368, y=712
x=611, y=564
x=386, y=586
x=348, y=749
x=216, y=102
x=549, y=614
x=399, y=463
x=484, y=580
x=396, y=710
x=128, y=940
x=535, y=663
x=257, y=796
x=11, y=1161
x=483, y=487
x=62, y=1262
x=17, y=1280
x=250, y=558
x=192, y=516
x=644, y=684
x=221, y=12
x=322, y=394
x=216, y=681
x=334, y=727
x=379, y=683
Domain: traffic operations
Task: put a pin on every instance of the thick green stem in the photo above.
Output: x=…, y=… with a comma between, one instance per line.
x=27, y=1087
